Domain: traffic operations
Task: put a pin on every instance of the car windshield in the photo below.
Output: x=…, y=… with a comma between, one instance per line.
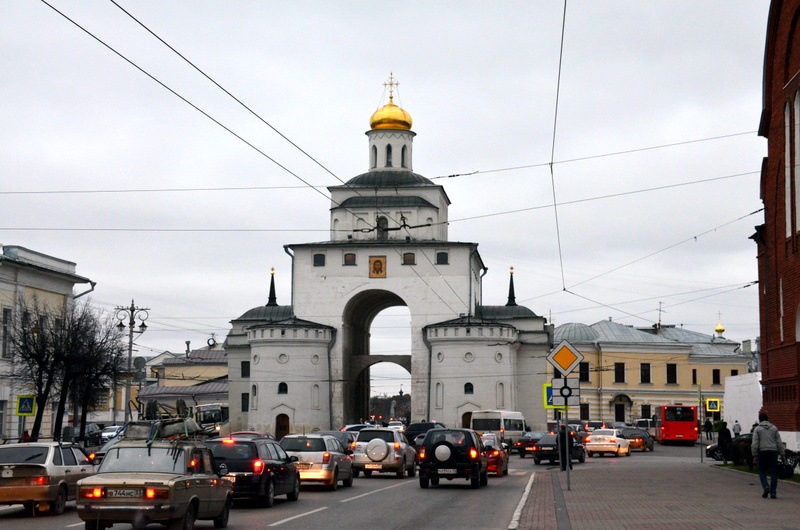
x=366, y=436
x=144, y=460
x=303, y=444
x=23, y=455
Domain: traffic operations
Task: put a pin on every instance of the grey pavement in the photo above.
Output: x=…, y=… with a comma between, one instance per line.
x=654, y=491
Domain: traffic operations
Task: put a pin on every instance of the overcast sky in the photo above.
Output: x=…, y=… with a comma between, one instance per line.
x=655, y=174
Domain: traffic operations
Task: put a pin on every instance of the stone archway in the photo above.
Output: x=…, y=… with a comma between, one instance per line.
x=357, y=317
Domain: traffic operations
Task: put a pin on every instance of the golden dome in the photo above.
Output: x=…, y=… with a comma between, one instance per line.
x=720, y=328
x=390, y=116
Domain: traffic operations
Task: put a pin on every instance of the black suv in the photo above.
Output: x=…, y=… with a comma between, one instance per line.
x=256, y=467
x=452, y=453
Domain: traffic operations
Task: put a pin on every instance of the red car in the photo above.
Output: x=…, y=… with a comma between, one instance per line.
x=496, y=455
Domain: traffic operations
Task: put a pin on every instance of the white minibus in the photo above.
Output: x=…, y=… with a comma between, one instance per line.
x=508, y=425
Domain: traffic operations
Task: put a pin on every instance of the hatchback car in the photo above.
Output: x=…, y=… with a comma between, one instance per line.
x=256, y=467
x=496, y=454
x=42, y=475
x=547, y=449
x=451, y=454
x=525, y=444
x=602, y=441
x=321, y=459
x=639, y=439
x=383, y=450
x=161, y=481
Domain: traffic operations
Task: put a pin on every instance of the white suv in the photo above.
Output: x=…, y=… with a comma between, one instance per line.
x=383, y=450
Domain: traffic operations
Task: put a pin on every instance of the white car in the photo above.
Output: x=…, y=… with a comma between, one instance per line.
x=396, y=425
x=602, y=441
x=321, y=459
x=109, y=432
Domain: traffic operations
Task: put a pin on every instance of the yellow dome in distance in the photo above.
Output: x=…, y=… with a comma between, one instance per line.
x=390, y=116
x=720, y=329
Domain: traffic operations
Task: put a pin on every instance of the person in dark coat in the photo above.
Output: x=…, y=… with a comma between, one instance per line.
x=724, y=439
x=570, y=442
x=708, y=427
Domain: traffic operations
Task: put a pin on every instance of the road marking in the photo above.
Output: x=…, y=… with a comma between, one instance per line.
x=76, y=524
x=276, y=523
x=518, y=512
x=376, y=491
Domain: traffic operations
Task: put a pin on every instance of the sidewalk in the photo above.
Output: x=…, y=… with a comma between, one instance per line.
x=654, y=492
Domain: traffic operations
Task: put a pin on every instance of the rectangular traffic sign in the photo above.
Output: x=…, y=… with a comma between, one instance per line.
x=26, y=405
x=566, y=392
x=547, y=397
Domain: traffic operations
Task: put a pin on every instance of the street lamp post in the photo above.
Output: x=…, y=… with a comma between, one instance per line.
x=131, y=313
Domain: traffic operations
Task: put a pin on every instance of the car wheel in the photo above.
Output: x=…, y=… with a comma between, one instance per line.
x=536, y=461
x=186, y=522
x=521, y=453
x=355, y=473
x=591, y=454
x=616, y=453
x=269, y=494
x=334, y=485
x=295, y=493
x=628, y=452
x=475, y=480
x=348, y=483
x=367, y=473
x=94, y=525
x=717, y=455
x=401, y=471
x=412, y=471
x=423, y=482
x=221, y=521
x=485, y=478
x=582, y=458
x=60, y=503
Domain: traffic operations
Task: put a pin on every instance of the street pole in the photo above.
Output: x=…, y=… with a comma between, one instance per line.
x=132, y=313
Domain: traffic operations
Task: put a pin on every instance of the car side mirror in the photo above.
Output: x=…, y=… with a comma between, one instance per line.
x=293, y=459
x=222, y=470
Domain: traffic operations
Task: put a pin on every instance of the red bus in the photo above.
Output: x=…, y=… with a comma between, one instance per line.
x=677, y=423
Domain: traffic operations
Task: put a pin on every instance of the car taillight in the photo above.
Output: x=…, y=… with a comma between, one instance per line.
x=397, y=446
x=495, y=453
x=258, y=467
x=156, y=493
x=228, y=441
x=92, y=493
x=473, y=453
x=353, y=445
x=421, y=454
x=612, y=440
x=326, y=458
x=43, y=480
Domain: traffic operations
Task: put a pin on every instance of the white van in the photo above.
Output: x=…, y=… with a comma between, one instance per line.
x=508, y=425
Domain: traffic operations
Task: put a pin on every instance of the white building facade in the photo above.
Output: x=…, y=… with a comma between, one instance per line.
x=294, y=368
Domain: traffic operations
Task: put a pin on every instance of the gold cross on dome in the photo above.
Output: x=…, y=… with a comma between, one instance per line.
x=392, y=83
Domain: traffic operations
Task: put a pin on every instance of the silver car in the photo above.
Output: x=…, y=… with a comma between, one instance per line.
x=42, y=475
x=321, y=459
x=383, y=450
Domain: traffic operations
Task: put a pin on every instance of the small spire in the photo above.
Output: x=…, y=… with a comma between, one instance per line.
x=273, y=300
x=512, y=300
x=391, y=83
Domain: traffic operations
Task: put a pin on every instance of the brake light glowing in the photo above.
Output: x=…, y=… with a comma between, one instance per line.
x=326, y=457
x=612, y=440
x=193, y=462
x=156, y=493
x=43, y=480
x=422, y=454
x=228, y=441
x=473, y=453
x=93, y=493
x=258, y=467
x=92, y=456
x=397, y=446
x=495, y=453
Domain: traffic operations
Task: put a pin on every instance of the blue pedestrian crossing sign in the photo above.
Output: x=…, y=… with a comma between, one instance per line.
x=712, y=405
x=547, y=397
x=26, y=405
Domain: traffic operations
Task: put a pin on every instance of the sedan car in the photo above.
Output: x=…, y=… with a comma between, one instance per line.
x=321, y=459
x=639, y=439
x=256, y=467
x=739, y=450
x=383, y=450
x=109, y=432
x=602, y=441
x=42, y=475
x=496, y=454
x=160, y=481
x=525, y=444
x=547, y=449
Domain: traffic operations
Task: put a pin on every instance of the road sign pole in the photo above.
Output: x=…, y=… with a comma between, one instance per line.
x=566, y=453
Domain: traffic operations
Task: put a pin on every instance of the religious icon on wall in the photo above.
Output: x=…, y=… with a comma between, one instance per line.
x=377, y=266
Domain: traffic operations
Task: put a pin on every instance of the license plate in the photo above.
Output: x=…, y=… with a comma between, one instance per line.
x=372, y=466
x=303, y=465
x=546, y=449
x=447, y=471
x=127, y=494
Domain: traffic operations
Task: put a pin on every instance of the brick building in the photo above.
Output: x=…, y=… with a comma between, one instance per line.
x=778, y=239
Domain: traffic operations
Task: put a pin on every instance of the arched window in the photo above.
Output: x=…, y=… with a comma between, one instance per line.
x=389, y=155
x=315, y=397
x=254, y=397
x=468, y=388
x=439, y=394
x=501, y=395
x=373, y=157
x=383, y=224
x=283, y=388
x=403, y=158
x=409, y=258
x=350, y=258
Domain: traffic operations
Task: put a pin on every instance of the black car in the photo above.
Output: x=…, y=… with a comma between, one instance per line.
x=452, y=453
x=739, y=450
x=256, y=467
x=547, y=449
x=415, y=429
x=639, y=439
x=526, y=442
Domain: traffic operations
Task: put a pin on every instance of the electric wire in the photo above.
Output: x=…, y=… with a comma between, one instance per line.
x=553, y=146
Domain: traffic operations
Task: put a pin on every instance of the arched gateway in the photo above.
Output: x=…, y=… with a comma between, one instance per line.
x=388, y=247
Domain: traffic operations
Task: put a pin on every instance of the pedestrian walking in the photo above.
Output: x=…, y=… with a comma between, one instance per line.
x=724, y=442
x=708, y=427
x=565, y=438
x=26, y=436
x=766, y=447
x=737, y=428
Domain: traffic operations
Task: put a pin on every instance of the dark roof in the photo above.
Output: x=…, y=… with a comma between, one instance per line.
x=503, y=312
x=269, y=313
x=199, y=357
x=384, y=202
x=217, y=388
x=388, y=179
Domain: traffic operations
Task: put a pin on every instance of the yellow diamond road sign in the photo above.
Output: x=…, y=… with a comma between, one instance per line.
x=565, y=358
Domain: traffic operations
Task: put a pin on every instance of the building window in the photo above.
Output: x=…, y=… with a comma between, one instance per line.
x=6, y=346
x=583, y=373
x=468, y=388
x=403, y=158
x=644, y=373
x=442, y=258
x=672, y=374
x=715, y=376
x=254, y=397
x=350, y=258
x=787, y=169
x=373, y=157
x=389, y=155
x=283, y=388
x=3, y=405
x=383, y=228
x=584, y=413
x=557, y=374
x=319, y=260
x=734, y=373
x=409, y=258
x=245, y=369
x=647, y=411
x=694, y=376
x=245, y=402
x=619, y=372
